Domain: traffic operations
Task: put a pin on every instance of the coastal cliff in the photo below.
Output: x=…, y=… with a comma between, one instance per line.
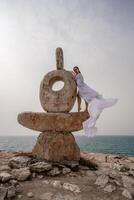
x=96, y=176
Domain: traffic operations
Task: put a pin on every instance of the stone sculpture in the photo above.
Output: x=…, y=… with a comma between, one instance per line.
x=56, y=142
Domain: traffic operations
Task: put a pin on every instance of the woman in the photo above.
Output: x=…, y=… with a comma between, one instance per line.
x=95, y=103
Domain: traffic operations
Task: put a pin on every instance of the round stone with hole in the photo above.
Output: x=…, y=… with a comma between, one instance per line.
x=58, y=100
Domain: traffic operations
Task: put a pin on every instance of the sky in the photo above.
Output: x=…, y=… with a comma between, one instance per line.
x=96, y=35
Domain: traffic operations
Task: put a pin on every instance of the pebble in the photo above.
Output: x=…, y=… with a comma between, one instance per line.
x=19, y=196
x=71, y=187
x=102, y=180
x=56, y=184
x=109, y=188
x=30, y=194
x=127, y=194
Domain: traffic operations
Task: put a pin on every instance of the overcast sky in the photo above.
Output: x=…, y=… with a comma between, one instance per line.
x=96, y=35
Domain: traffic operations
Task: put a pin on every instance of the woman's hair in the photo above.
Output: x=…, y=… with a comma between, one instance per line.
x=77, y=68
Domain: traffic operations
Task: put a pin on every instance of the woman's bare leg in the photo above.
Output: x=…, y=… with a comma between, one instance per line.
x=79, y=102
x=86, y=104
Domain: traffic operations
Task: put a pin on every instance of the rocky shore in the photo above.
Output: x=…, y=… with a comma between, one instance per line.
x=96, y=177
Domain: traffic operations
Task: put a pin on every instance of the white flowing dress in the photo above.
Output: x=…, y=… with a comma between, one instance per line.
x=96, y=104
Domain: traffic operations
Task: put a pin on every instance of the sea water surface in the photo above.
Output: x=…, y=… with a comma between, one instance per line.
x=123, y=145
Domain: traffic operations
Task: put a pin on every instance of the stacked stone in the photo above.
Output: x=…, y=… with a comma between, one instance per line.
x=56, y=142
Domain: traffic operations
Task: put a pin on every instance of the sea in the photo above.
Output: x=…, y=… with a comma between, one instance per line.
x=121, y=145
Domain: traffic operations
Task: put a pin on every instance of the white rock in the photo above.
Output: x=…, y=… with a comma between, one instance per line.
x=56, y=184
x=5, y=176
x=21, y=174
x=128, y=182
x=127, y=194
x=71, y=187
x=102, y=180
x=66, y=170
x=46, y=196
x=46, y=182
x=30, y=194
x=40, y=167
x=54, y=172
x=11, y=192
x=19, y=161
x=5, y=168
x=19, y=196
x=109, y=188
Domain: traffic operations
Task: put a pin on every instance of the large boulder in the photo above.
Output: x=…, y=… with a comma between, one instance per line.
x=55, y=146
x=53, y=121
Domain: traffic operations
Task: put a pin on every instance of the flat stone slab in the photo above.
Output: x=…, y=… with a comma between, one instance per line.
x=53, y=121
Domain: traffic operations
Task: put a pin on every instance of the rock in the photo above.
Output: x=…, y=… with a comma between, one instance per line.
x=102, y=180
x=91, y=175
x=131, y=173
x=82, y=167
x=127, y=194
x=121, y=167
x=19, y=196
x=11, y=192
x=54, y=172
x=128, y=182
x=14, y=182
x=66, y=170
x=46, y=182
x=19, y=162
x=46, y=196
x=5, y=176
x=115, y=182
x=72, y=174
x=56, y=146
x=109, y=188
x=71, y=187
x=3, y=193
x=40, y=176
x=95, y=157
x=53, y=121
x=40, y=167
x=56, y=184
x=5, y=168
x=21, y=174
x=71, y=164
x=30, y=194
x=86, y=161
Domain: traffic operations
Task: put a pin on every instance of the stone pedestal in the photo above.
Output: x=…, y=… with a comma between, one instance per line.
x=56, y=146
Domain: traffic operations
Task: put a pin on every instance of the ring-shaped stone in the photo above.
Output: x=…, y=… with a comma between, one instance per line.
x=61, y=100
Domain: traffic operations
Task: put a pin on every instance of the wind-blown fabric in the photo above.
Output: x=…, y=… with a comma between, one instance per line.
x=96, y=104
